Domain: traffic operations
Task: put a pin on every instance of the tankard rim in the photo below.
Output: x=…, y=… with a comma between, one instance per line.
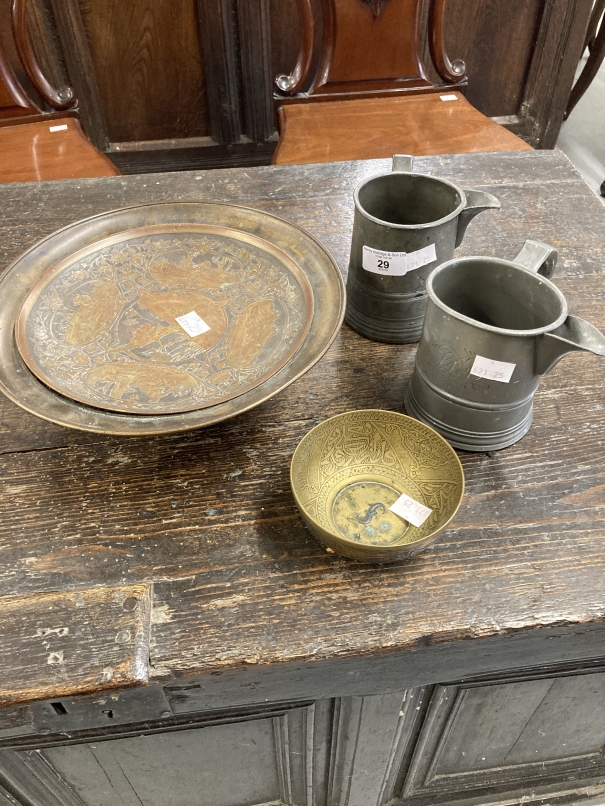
x=432, y=295
x=429, y=224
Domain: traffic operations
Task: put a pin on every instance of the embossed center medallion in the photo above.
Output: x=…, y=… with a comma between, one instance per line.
x=361, y=513
x=101, y=327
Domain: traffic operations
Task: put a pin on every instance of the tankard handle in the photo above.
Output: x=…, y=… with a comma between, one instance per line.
x=403, y=163
x=476, y=202
x=538, y=257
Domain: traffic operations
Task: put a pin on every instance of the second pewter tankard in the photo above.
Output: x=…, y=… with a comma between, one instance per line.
x=405, y=225
x=492, y=329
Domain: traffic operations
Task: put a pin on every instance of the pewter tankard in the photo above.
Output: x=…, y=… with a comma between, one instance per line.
x=405, y=225
x=492, y=329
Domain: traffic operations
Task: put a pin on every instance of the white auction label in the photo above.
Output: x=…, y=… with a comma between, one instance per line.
x=422, y=257
x=192, y=324
x=492, y=370
x=449, y=97
x=396, y=264
x=393, y=264
x=410, y=510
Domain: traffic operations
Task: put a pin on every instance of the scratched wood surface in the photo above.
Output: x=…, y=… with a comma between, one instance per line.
x=83, y=640
x=208, y=517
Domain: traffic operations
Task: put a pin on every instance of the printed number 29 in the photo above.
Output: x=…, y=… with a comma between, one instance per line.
x=383, y=264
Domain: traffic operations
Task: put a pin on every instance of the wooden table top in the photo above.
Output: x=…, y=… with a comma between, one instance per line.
x=188, y=551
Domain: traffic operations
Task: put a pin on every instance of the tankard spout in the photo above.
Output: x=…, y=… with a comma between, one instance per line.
x=476, y=202
x=574, y=335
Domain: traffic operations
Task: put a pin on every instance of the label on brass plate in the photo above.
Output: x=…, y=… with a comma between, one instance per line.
x=193, y=324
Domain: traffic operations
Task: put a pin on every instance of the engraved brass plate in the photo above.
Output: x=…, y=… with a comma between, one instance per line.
x=102, y=327
x=24, y=387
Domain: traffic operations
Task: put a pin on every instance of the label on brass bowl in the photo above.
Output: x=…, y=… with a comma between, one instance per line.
x=117, y=324
x=361, y=513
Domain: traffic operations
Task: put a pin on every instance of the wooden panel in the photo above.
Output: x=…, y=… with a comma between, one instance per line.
x=33, y=153
x=352, y=751
x=498, y=735
x=345, y=752
x=558, y=48
x=218, y=40
x=79, y=64
x=33, y=782
x=285, y=35
x=496, y=41
x=255, y=759
x=74, y=641
x=147, y=62
x=226, y=765
x=366, y=47
x=423, y=124
x=257, y=79
x=188, y=155
x=373, y=737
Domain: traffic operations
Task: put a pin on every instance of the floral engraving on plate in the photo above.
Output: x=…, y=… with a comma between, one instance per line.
x=103, y=330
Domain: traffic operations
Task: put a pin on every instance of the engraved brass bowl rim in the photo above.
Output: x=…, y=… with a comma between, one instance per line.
x=24, y=389
x=327, y=534
x=79, y=393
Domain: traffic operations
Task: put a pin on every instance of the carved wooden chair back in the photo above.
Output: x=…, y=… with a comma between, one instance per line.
x=15, y=105
x=370, y=48
x=377, y=96
x=30, y=148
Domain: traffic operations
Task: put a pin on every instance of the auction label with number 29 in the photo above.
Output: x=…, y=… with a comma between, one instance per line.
x=396, y=264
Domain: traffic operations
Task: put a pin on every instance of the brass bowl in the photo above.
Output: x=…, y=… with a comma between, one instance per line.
x=348, y=471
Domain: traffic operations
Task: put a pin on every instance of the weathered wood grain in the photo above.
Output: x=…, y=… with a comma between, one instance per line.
x=73, y=641
x=208, y=517
x=418, y=124
x=146, y=58
x=496, y=41
x=34, y=153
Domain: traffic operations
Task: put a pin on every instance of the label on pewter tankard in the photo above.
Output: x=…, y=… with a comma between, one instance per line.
x=396, y=264
x=410, y=510
x=492, y=370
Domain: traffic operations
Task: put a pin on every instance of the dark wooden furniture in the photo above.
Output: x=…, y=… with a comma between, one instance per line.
x=379, y=127
x=42, y=141
x=274, y=672
x=595, y=41
x=371, y=95
x=166, y=84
